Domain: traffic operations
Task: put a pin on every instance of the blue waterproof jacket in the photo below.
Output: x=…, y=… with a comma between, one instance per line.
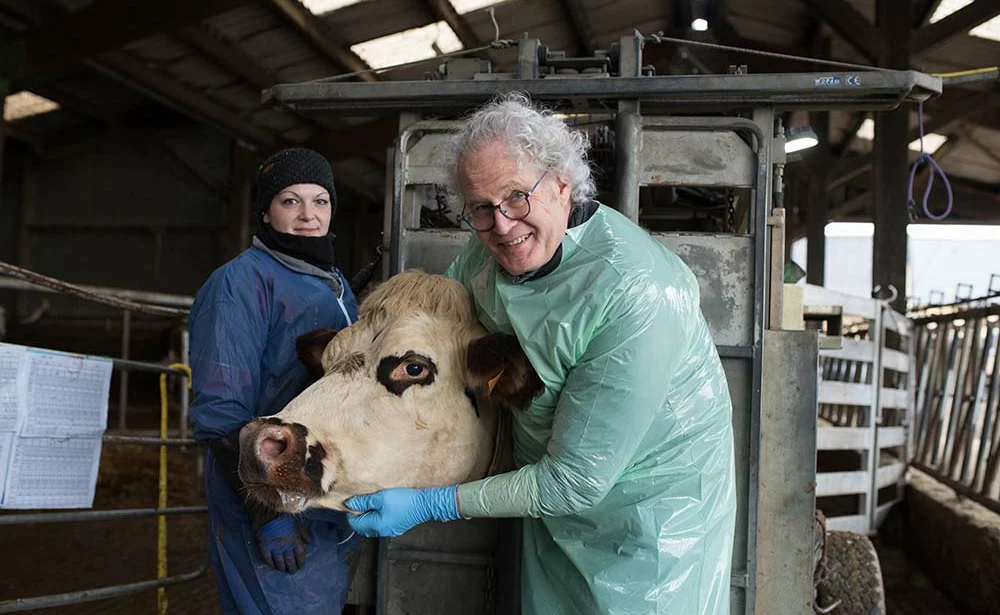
x=244, y=323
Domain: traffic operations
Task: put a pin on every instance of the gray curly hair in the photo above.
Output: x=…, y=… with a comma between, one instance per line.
x=534, y=135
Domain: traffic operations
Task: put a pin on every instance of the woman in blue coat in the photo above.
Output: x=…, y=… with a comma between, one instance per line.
x=244, y=324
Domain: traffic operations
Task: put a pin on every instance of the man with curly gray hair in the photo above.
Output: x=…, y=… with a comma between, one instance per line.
x=625, y=472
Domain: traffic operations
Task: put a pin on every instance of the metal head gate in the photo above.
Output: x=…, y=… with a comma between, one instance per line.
x=957, y=433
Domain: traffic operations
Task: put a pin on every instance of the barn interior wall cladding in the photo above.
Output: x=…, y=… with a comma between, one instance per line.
x=119, y=212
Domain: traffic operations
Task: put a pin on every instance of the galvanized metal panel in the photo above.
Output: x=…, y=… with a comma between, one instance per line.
x=855, y=306
x=695, y=158
x=891, y=436
x=441, y=569
x=843, y=438
x=427, y=162
x=848, y=523
x=738, y=379
x=431, y=249
x=852, y=350
x=845, y=393
x=895, y=360
x=841, y=483
x=723, y=265
x=787, y=473
x=889, y=474
x=894, y=398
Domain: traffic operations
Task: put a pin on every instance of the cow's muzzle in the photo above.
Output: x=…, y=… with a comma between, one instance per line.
x=272, y=462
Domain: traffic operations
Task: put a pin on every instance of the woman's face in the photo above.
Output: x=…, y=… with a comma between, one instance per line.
x=300, y=209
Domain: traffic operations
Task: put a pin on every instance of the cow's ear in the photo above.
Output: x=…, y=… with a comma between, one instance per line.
x=310, y=349
x=497, y=364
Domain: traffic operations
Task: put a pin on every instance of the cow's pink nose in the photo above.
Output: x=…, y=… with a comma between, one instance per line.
x=272, y=447
x=273, y=442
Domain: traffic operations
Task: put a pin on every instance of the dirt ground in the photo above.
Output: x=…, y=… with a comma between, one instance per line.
x=908, y=591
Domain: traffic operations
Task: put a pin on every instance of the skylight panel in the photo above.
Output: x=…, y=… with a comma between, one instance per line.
x=947, y=7
x=467, y=6
x=408, y=45
x=988, y=30
x=25, y=104
x=321, y=7
x=867, y=130
x=932, y=140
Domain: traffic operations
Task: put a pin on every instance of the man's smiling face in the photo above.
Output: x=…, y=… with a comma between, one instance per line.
x=491, y=175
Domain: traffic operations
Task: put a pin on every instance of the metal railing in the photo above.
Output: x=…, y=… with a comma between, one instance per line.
x=865, y=407
x=958, y=385
x=162, y=511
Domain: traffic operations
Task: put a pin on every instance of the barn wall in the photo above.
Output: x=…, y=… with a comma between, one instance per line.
x=120, y=211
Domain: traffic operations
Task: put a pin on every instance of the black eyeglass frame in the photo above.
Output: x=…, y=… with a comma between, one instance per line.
x=467, y=217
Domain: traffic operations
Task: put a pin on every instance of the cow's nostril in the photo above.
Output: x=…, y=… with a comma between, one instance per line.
x=272, y=447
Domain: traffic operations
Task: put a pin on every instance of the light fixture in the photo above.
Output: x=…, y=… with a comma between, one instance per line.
x=800, y=138
x=699, y=25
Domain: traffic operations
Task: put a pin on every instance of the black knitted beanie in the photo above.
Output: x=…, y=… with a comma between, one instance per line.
x=296, y=165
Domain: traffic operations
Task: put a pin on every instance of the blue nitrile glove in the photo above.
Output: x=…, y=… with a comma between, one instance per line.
x=282, y=544
x=394, y=511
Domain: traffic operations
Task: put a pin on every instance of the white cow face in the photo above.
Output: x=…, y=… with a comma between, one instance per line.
x=405, y=398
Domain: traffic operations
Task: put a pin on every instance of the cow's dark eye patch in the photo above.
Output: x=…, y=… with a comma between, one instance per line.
x=314, y=465
x=398, y=373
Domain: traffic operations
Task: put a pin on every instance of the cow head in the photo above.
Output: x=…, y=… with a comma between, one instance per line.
x=408, y=396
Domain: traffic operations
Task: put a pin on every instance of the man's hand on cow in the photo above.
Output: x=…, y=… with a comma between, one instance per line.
x=394, y=511
x=282, y=544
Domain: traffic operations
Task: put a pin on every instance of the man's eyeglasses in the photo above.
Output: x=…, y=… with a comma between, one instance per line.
x=517, y=206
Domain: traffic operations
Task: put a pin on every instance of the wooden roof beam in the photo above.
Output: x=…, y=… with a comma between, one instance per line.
x=212, y=45
x=186, y=100
x=935, y=35
x=108, y=25
x=443, y=10
x=316, y=32
x=583, y=32
x=851, y=25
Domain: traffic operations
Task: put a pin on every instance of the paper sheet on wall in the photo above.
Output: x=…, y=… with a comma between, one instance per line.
x=11, y=381
x=52, y=473
x=53, y=410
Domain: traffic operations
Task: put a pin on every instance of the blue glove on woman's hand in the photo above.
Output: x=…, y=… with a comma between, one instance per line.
x=393, y=511
x=282, y=544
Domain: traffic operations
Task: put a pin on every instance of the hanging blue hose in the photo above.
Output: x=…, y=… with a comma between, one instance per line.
x=923, y=158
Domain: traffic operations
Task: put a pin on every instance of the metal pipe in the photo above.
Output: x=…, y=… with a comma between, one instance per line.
x=988, y=423
x=123, y=383
x=78, y=291
x=763, y=120
x=628, y=142
x=107, y=439
x=102, y=515
x=132, y=295
x=878, y=90
x=100, y=593
x=186, y=386
x=140, y=366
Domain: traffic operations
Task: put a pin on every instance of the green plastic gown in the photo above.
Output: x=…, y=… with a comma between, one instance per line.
x=625, y=461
